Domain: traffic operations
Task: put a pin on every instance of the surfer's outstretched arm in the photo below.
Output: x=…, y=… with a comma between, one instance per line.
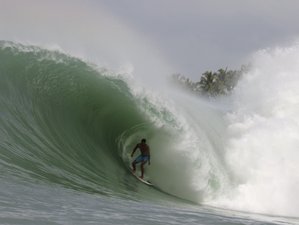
x=134, y=150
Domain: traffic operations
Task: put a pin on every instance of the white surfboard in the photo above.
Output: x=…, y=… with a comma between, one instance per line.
x=142, y=180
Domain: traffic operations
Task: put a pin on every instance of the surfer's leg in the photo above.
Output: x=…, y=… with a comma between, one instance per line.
x=137, y=160
x=134, y=165
x=142, y=169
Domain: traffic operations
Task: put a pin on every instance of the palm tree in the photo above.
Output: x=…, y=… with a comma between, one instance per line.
x=206, y=82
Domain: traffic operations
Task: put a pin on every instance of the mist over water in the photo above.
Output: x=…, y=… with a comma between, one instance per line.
x=263, y=135
x=240, y=152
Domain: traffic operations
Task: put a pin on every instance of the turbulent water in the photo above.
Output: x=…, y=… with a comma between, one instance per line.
x=67, y=129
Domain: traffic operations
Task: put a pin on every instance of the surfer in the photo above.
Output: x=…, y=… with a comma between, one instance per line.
x=143, y=158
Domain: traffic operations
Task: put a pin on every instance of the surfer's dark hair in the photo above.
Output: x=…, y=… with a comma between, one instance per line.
x=143, y=140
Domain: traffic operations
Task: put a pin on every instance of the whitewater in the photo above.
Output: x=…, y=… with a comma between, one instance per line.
x=73, y=107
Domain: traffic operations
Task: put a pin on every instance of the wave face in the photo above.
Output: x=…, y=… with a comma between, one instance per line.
x=60, y=119
x=66, y=122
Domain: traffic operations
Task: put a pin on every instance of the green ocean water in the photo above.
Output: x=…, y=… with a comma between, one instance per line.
x=61, y=119
x=67, y=128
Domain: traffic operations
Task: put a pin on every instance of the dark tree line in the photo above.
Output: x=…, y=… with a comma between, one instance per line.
x=212, y=84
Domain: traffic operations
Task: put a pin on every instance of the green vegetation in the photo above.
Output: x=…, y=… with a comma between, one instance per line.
x=211, y=83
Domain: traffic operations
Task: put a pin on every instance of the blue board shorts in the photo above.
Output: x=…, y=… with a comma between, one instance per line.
x=142, y=158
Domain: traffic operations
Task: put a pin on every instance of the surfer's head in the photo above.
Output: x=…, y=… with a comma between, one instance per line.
x=143, y=140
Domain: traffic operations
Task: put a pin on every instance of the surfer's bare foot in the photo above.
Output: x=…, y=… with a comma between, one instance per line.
x=141, y=177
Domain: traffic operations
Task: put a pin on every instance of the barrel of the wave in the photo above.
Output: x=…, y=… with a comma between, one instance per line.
x=57, y=122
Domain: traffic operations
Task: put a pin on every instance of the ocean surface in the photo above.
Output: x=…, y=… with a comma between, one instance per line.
x=67, y=128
